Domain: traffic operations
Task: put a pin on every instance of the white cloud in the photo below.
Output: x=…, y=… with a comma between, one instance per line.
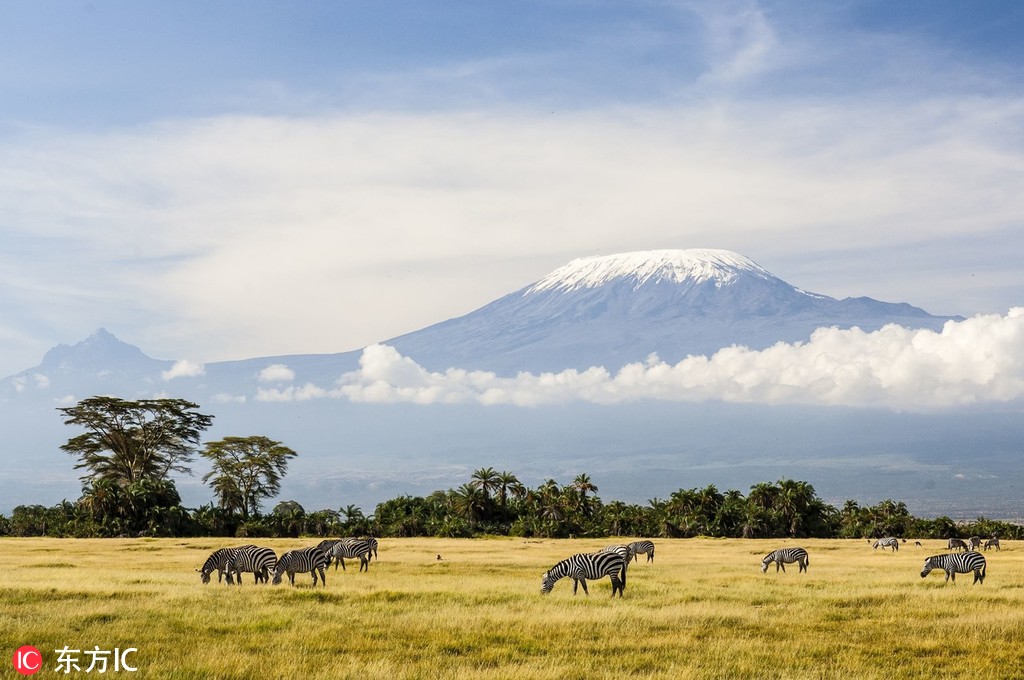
x=277, y=373
x=977, y=361
x=184, y=369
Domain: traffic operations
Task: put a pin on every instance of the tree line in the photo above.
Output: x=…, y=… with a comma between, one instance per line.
x=130, y=448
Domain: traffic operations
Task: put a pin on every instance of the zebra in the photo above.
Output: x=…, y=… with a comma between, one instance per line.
x=992, y=542
x=889, y=542
x=302, y=560
x=583, y=566
x=625, y=551
x=956, y=543
x=957, y=563
x=372, y=542
x=786, y=555
x=974, y=542
x=260, y=561
x=642, y=547
x=350, y=548
x=218, y=560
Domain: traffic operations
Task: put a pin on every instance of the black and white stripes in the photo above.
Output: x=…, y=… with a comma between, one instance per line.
x=258, y=560
x=957, y=563
x=310, y=560
x=643, y=547
x=351, y=548
x=219, y=560
x=583, y=566
x=887, y=542
x=784, y=556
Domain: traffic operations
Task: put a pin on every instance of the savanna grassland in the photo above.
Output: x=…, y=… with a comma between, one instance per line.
x=701, y=609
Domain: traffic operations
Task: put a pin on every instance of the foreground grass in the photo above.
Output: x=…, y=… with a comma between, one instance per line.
x=702, y=609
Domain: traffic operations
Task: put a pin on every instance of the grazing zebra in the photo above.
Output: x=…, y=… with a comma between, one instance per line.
x=219, y=560
x=957, y=563
x=889, y=542
x=312, y=560
x=642, y=547
x=974, y=542
x=785, y=556
x=583, y=566
x=992, y=542
x=350, y=548
x=956, y=543
x=260, y=561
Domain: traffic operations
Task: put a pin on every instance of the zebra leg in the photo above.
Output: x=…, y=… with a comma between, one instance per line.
x=364, y=563
x=575, y=585
x=617, y=585
x=583, y=582
x=650, y=556
x=779, y=562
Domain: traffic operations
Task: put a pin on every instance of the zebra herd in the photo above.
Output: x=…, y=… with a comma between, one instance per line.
x=612, y=562
x=266, y=566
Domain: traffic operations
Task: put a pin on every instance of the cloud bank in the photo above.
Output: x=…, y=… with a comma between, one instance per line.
x=976, y=361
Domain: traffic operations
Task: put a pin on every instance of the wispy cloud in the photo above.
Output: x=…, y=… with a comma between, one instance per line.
x=976, y=361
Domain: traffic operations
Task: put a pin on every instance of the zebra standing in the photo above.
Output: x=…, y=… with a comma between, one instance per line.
x=219, y=560
x=311, y=560
x=957, y=563
x=643, y=547
x=583, y=566
x=888, y=542
x=351, y=548
x=992, y=542
x=260, y=561
x=785, y=556
x=956, y=543
x=372, y=542
x=974, y=542
x=623, y=550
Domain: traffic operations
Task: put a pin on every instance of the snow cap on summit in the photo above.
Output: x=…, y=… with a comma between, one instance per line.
x=676, y=266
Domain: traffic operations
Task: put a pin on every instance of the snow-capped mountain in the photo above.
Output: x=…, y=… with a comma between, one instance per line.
x=616, y=309
x=594, y=311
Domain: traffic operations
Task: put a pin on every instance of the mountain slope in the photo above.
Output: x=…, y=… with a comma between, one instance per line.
x=616, y=309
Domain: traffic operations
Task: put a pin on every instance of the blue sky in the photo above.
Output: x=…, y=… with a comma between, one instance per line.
x=215, y=181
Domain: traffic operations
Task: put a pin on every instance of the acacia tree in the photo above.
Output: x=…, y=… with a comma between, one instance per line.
x=130, y=441
x=245, y=471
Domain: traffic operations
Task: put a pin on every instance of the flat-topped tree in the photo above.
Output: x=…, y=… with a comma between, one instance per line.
x=129, y=441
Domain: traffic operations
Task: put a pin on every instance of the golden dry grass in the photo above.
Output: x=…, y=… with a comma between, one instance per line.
x=703, y=609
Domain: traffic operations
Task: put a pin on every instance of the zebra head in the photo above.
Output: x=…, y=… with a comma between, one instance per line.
x=928, y=566
x=278, y=572
x=765, y=562
x=547, y=583
x=204, y=575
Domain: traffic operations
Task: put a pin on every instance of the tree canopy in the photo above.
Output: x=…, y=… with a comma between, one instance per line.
x=129, y=441
x=245, y=471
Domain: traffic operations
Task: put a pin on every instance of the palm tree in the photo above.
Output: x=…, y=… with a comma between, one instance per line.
x=485, y=479
x=508, y=482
